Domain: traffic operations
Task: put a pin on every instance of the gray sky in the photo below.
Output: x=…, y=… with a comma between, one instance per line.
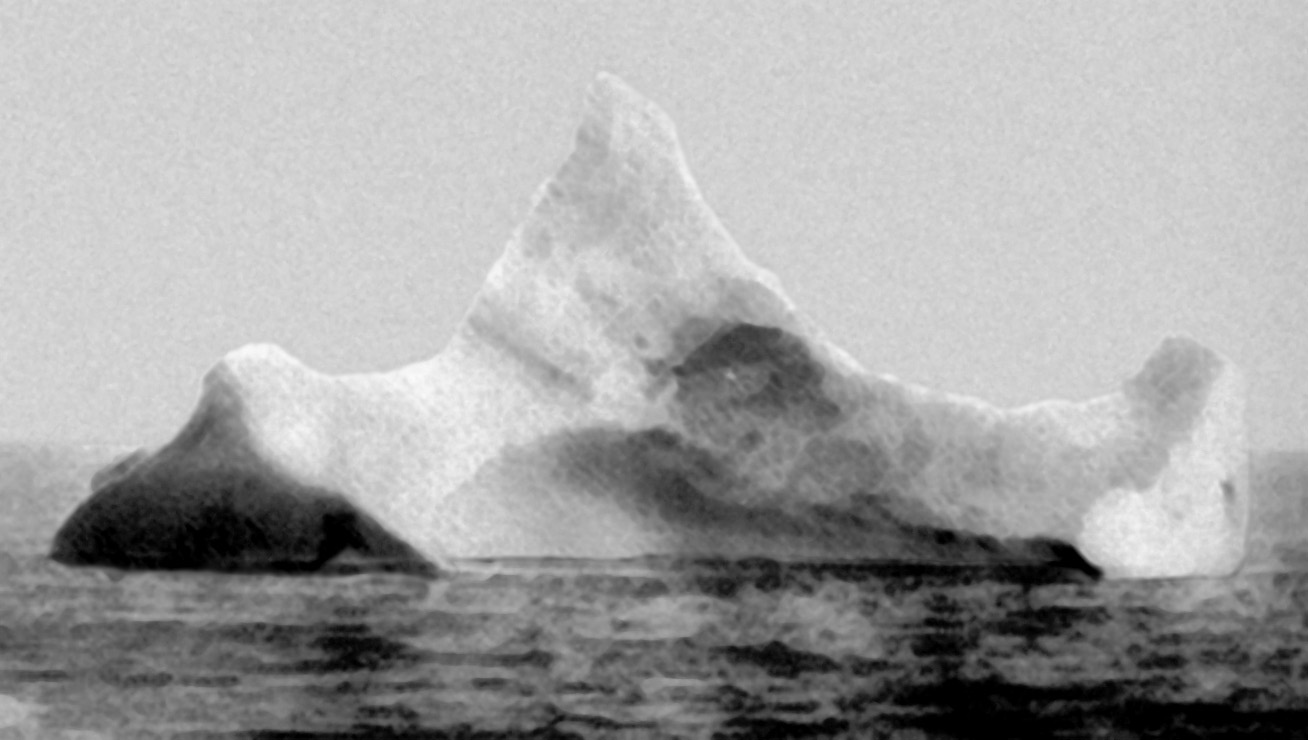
x=1010, y=200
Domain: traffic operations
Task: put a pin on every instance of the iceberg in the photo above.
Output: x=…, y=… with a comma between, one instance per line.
x=626, y=383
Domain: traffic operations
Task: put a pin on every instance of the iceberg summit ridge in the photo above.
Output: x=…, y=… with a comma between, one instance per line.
x=627, y=383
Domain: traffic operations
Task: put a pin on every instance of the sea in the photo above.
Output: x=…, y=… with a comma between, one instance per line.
x=652, y=648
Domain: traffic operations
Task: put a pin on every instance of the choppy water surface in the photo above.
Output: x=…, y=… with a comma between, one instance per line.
x=651, y=650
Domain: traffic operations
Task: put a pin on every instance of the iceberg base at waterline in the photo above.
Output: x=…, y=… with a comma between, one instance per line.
x=203, y=503
x=627, y=383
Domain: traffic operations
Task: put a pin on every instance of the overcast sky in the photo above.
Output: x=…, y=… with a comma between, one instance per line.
x=1015, y=201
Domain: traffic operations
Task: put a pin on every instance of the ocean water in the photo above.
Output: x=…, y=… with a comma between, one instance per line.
x=648, y=649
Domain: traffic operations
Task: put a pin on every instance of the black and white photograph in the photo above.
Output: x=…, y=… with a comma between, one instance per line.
x=580, y=369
